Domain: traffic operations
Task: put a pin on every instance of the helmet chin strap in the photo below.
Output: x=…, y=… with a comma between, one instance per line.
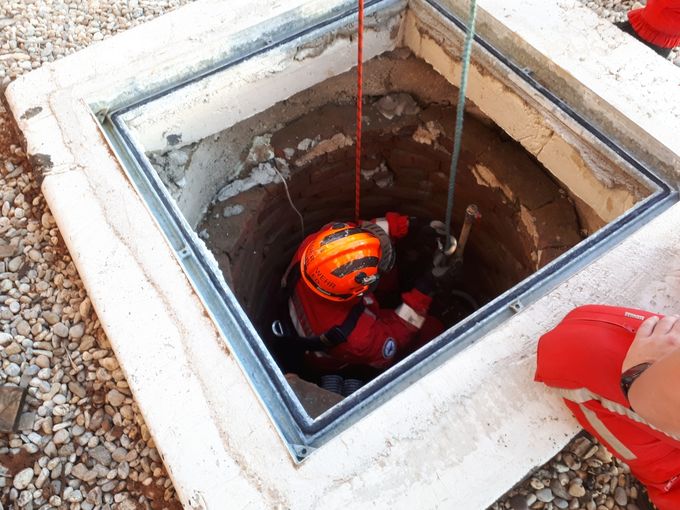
x=371, y=282
x=363, y=279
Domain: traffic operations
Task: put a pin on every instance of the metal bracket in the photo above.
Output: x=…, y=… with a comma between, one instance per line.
x=102, y=114
x=302, y=451
x=516, y=306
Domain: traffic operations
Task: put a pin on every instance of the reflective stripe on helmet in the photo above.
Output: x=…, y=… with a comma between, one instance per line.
x=335, y=236
x=408, y=314
x=355, y=265
x=323, y=291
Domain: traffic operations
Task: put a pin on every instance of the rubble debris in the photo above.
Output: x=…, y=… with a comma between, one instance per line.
x=334, y=143
x=232, y=210
x=381, y=175
x=427, y=134
x=396, y=105
x=262, y=174
x=261, y=150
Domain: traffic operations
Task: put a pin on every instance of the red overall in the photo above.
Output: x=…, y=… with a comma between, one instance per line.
x=582, y=358
x=658, y=22
x=380, y=336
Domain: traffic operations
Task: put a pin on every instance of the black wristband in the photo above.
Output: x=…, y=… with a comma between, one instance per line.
x=414, y=224
x=630, y=375
x=426, y=284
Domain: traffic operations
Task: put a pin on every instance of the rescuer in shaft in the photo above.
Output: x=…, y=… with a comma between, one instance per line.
x=618, y=371
x=330, y=309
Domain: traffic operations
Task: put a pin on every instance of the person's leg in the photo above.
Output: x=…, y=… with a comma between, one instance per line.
x=582, y=359
x=657, y=25
x=649, y=457
x=628, y=28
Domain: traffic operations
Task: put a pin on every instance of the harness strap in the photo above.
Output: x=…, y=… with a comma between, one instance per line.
x=331, y=338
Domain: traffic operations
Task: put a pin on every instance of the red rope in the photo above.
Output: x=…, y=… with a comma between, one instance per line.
x=360, y=93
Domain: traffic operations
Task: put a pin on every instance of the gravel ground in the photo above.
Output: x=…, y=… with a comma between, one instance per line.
x=584, y=476
x=613, y=10
x=88, y=446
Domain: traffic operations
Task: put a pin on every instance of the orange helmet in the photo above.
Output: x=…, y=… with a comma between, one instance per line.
x=341, y=262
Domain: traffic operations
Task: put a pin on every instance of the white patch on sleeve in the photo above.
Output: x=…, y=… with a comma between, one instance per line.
x=408, y=314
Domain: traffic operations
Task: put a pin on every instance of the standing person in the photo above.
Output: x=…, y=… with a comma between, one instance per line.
x=657, y=25
x=331, y=311
x=618, y=370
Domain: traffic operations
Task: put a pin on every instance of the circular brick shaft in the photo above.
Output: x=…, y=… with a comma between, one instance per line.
x=527, y=219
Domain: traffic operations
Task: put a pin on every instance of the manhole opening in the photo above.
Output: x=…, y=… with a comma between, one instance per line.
x=528, y=219
x=542, y=179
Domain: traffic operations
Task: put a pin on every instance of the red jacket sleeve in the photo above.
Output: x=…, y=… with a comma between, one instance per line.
x=395, y=224
x=398, y=225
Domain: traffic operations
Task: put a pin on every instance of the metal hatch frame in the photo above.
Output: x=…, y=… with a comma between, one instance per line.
x=300, y=432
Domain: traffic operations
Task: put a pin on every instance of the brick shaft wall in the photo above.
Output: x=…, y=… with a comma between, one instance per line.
x=254, y=247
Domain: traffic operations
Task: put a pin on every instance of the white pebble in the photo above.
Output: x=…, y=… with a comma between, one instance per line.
x=61, y=436
x=23, y=478
x=115, y=398
x=60, y=330
x=12, y=370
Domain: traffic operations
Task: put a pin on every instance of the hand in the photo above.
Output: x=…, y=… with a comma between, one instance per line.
x=422, y=230
x=437, y=279
x=446, y=269
x=426, y=283
x=655, y=339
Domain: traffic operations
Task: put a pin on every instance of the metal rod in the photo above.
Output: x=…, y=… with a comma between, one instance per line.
x=471, y=214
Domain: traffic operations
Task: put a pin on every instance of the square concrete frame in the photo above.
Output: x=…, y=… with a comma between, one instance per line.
x=463, y=434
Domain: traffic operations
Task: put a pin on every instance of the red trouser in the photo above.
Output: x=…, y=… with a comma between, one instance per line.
x=582, y=358
x=658, y=22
